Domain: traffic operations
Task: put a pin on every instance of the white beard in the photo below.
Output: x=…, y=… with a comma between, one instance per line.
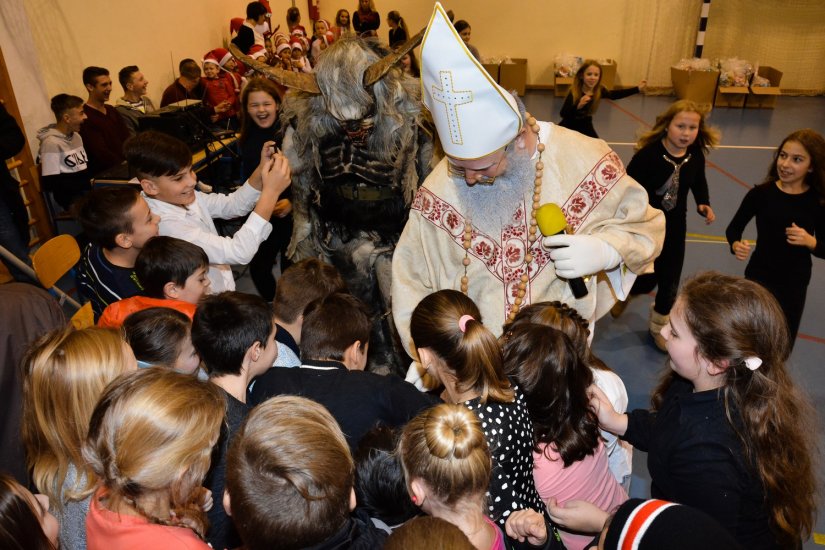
x=491, y=207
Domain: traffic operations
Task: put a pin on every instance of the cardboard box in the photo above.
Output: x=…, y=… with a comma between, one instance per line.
x=513, y=76
x=698, y=86
x=562, y=85
x=764, y=97
x=493, y=69
x=731, y=96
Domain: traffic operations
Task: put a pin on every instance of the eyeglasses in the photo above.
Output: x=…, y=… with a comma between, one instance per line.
x=457, y=172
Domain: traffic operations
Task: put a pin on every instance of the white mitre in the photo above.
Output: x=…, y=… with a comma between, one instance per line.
x=474, y=116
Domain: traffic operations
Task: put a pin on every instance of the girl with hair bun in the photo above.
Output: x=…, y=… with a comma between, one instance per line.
x=150, y=443
x=25, y=520
x=462, y=354
x=65, y=372
x=729, y=433
x=447, y=466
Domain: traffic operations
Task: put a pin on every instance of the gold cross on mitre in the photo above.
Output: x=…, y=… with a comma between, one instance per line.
x=451, y=99
x=473, y=115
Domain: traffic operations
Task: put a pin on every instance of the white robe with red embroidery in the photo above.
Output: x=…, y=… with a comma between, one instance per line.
x=582, y=175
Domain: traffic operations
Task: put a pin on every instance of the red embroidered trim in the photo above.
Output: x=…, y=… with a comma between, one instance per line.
x=592, y=189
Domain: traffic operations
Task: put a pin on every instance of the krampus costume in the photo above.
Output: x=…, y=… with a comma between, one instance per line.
x=358, y=154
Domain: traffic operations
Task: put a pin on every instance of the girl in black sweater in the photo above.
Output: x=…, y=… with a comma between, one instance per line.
x=584, y=96
x=669, y=162
x=260, y=102
x=789, y=207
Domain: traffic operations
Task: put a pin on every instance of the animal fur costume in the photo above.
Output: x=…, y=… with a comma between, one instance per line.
x=358, y=154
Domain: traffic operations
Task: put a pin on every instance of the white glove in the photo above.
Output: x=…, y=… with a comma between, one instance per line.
x=580, y=255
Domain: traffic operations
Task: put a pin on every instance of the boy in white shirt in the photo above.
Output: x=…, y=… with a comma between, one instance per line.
x=163, y=166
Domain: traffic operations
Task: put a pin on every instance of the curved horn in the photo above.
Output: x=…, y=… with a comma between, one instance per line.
x=377, y=70
x=299, y=81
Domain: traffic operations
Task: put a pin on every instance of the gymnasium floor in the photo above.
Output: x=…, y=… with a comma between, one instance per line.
x=749, y=137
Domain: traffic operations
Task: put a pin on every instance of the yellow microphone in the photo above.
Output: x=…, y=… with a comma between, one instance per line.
x=551, y=221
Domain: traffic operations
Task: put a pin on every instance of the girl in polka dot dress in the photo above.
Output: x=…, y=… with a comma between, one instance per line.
x=458, y=350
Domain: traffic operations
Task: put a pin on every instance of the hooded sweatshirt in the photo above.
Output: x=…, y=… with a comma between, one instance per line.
x=63, y=164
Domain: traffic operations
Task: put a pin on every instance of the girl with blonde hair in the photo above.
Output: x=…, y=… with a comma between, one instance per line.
x=447, y=465
x=462, y=354
x=584, y=97
x=65, y=372
x=150, y=443
x=670, y=163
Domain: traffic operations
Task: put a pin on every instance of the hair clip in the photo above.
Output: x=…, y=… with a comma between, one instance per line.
x=462, y=322
x=753, y=363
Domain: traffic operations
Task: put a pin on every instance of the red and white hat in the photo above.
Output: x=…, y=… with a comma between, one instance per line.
x=282, y=47
x=223, y=55
x=212, y=57
x=296, y=42
x=257, y=51
x=329, y=37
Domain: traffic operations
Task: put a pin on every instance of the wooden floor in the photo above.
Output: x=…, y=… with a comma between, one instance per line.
x=749, y=138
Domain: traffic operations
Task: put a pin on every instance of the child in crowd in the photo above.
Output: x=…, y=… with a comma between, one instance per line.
x=293, y=21
x=334, y=345
x=230, y=65
x=365, y=20
x=163, y=166
x=465, y=31
x=161, y=336
x=426, y=533
x=380, y=489
x=670, y=162
x=322, y=38
x=300, y=63
x=150, y=442
x=448, y=468
x=63, y=160
x=398, y=29
x=584, y=97
x=173, y=273
x=284, y=53
x=290, y=478
x=566, y=319
x=729, y=432
x=221, y=95
x=462, y=354
x=789, y=207
x=300, y=285
x=342, y=24
x=252, y=30
x=118, y=223
x=25, y=520
x=259, y=125
x=570, y=461
x=65, y=372
x=235, y=336
x=409, y=64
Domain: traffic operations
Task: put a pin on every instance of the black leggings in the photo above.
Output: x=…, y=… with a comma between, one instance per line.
x=260, y=267
x=667, y=270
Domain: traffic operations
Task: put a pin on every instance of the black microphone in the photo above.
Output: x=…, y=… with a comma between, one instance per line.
x=551, y=221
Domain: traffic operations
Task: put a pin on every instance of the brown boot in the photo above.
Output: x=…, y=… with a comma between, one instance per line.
x=657, y=323
x=619, y=307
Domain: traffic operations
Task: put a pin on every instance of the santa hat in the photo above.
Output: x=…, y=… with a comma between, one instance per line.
x=280, y=38
x=296, y=42
x=281, y=48
x=651, y=524
x=474, y=116
x=257, y=51
x=298, y=31
x=223, y=55
x=212, y=57
x=329, y=38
